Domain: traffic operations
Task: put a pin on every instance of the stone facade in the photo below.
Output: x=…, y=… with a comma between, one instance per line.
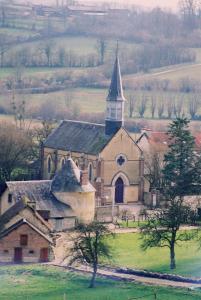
x=33, y=252
x=104, y=169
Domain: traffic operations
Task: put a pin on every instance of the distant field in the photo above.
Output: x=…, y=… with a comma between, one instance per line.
x=173, y=73
x=91, y=101
x=34, y=282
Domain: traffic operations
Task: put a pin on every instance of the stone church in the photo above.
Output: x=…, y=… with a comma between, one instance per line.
x=114, y=161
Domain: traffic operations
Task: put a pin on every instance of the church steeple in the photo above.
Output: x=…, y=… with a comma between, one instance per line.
x=115, y=101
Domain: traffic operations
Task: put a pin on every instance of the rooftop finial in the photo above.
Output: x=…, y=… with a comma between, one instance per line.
x=117, y=49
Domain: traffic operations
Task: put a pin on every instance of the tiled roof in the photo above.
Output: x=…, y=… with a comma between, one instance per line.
x=21, y=222
x=40, y=193
x=79, y=137
x=68, y=179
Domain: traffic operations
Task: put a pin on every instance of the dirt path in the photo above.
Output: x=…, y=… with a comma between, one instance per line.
x=112, y=274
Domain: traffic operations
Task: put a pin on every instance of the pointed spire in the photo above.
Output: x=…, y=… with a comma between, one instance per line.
x=116, y=89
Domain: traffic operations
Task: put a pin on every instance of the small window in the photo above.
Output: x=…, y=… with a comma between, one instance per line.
x=45, y=214
x=10, y=198
x=5, y=251
x=23, y=240
x=31, y=252
x=49, y=165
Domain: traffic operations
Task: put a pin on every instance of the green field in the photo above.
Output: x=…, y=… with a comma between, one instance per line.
x=50, y=283
x=127, y=252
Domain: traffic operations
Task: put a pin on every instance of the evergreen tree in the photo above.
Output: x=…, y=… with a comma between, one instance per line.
x=181, y=176
x=180, y=173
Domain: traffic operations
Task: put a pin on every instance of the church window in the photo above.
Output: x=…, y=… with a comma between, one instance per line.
x=76, y=162
x=90, y=172
x=23, y=240
x=49, y=165
x=121, y=159
x=10, y=198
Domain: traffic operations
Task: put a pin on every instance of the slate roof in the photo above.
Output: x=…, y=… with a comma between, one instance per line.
x=11, y=212
x=79, y=137
x=116, y=89
x=40, y=193
x=68, y=179
x=21, y=222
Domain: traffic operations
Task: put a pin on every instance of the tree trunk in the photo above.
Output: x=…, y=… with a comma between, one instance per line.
x=172, y=257
x=93, y=278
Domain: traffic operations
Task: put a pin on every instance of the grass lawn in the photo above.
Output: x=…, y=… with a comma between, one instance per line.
x=127, y=252
x=50, y=283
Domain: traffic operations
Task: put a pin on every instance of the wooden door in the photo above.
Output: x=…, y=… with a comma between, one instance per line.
x=44, y=255
x=18, y=255
x=119, y=191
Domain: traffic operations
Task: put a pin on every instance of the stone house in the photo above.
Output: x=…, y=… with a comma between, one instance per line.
x=32, y=212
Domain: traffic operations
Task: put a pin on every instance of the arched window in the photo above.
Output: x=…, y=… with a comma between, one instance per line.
x=119, y=191
x=49, y=165
x=90, y=172
x=77, y=163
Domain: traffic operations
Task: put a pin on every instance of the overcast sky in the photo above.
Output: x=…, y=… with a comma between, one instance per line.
x=147, y=3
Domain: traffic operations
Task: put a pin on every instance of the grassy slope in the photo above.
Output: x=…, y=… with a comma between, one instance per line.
x=50, y=283
x=127, y=252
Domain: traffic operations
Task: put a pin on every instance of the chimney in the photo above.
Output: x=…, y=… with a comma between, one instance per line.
x=84, y=177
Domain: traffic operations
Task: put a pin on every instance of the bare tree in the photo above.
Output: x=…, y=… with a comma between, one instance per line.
x=193, y=106
x=3, y=15
x=153, y=106
x=189, y=10
x=47, y=49
x=170, y=108
x=178, y=107
x=161, y=107
x=142, y=106
x=131, y=107
x=101, y=47
x=4, y=47
x=68, y=98
x=15, y=151
x=153, y=168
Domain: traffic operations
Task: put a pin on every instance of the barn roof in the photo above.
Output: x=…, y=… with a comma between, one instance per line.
x=40, y=193
x=82, y=137
x=21, y=222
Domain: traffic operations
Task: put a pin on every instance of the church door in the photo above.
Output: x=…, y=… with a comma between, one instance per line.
x=119, y=191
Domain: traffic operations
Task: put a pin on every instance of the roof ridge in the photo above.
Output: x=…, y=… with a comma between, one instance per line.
x=29, y=181
x=84, y=122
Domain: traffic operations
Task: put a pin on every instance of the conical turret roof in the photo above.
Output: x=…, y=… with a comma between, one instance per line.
x=67, y=179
